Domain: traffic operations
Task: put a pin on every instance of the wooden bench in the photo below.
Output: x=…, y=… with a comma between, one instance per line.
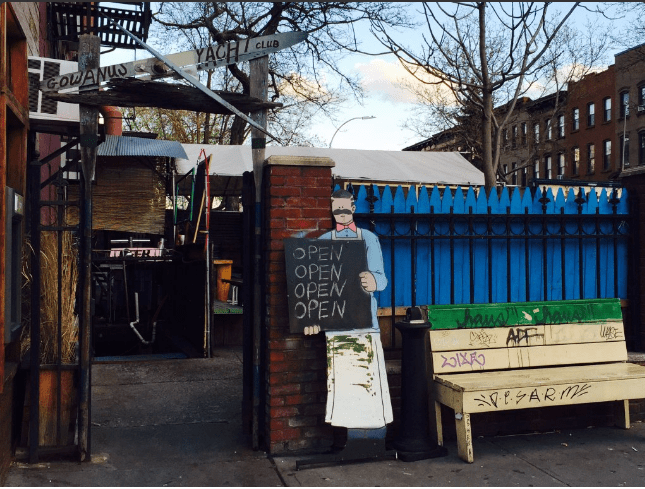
x=501, y=357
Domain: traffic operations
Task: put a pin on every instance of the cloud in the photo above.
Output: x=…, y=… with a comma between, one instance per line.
x=390, y=81
x=385, y=79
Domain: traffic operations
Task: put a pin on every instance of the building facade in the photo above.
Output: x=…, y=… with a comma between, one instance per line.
x=630, y=113
x=589, y=133
x=591, y=138
x=19, y=38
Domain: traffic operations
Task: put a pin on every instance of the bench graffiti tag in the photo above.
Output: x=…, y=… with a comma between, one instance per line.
x=610, y=333
x=538, y=395
x=517, y=335
x=464, y=358
x=484, y=320
x=481, y=338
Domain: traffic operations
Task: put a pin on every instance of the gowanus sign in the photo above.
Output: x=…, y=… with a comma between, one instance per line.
x=323, y=284
x=203, y=59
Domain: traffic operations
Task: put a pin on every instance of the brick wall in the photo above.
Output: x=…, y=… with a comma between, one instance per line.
x=297, y=203
x=594, y=87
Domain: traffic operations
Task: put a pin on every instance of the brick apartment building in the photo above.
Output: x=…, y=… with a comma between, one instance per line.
x=577, y=135
x=591, y=143
x=630, y=115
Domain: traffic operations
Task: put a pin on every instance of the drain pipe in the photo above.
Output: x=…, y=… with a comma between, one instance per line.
x=113, y=120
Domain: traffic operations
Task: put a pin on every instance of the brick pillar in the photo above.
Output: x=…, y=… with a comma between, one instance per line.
x=297, y=202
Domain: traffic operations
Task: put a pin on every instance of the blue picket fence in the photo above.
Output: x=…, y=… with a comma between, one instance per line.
x=464, y=246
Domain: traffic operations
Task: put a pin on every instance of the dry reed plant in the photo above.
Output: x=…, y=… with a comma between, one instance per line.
x=49, y=300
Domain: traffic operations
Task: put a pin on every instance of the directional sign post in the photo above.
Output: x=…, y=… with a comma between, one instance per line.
x=206, y=58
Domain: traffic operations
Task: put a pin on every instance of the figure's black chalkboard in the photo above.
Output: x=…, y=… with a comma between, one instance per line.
x=324, y=286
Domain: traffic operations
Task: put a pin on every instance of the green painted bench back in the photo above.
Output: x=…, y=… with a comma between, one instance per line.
x=458, y=316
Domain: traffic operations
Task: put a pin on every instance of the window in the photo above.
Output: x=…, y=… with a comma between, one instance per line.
x=504, y=137
x=624, y=103
x=524, y=177
x=536, y=168
x=591, y=159
x=514, y=136
x=548, y=131
x=524, y=132
x=576, y=160
x=591, y=114
x=536, y=133
x=641, y=148
x=561, y=163
x=560, y=126
x=606, y=109
x=575, y=117
x=624, y=150
x=606, y=154
x=547, y=167
x=514, y=177
x=641, y=99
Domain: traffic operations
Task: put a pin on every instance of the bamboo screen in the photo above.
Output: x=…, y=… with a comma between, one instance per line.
x=128, y=196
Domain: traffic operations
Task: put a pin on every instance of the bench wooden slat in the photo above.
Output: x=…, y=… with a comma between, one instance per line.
x=540, y=335
x=553, y=395
x=540, y=377
x=524, y=313
x=526, y=357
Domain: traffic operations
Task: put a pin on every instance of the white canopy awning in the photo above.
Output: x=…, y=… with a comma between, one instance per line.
x=424, y=167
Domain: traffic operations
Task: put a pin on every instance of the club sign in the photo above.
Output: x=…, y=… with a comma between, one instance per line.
x=206, y=58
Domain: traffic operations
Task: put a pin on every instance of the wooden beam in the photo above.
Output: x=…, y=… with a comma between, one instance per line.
x=137, y=93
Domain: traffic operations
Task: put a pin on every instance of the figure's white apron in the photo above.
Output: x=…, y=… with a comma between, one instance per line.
x=358, y=395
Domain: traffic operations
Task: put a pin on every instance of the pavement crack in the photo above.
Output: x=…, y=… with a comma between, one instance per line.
x=275, y=467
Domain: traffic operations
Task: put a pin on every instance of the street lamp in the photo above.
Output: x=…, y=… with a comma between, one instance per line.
x=352, y=119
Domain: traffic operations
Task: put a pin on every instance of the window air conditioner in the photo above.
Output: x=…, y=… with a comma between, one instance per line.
x=641, y=108
x=41, y=107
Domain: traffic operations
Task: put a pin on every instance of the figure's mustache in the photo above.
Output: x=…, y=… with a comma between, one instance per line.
x=340, y=212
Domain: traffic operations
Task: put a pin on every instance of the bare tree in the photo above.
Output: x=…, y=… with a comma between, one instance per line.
x=487, y=55
x=331, y=29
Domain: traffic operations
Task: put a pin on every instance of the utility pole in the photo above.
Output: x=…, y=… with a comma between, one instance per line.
x=259, y=70
x=88, y=59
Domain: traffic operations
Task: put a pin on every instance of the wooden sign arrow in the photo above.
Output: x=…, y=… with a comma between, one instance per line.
x=203, y=59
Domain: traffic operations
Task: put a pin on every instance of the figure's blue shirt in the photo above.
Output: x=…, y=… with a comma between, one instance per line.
x=374, y=263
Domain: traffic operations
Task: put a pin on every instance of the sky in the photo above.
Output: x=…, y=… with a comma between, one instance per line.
x=385, y=100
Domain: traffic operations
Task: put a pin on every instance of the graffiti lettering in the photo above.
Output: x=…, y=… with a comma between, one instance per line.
x=610, y=333
x=517, y=335
x=483, y=320
x=561, y=316
x=575, y=391
x=536, y=396
x=481, y=338
x=460, y=359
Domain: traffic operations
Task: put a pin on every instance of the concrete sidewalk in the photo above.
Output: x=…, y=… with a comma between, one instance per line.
x=178, y=423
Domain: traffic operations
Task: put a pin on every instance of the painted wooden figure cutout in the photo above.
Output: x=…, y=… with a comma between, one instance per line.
x=358, y=393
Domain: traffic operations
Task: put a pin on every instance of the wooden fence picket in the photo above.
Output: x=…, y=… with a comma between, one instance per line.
x=454, y=246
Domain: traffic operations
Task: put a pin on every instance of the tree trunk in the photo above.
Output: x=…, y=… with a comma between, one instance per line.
x=487, y=112
x=237, y=131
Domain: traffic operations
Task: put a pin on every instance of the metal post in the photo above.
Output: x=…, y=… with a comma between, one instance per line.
x=88, y=58
x=413, y=442
x=259, y=69
x=34, y=393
